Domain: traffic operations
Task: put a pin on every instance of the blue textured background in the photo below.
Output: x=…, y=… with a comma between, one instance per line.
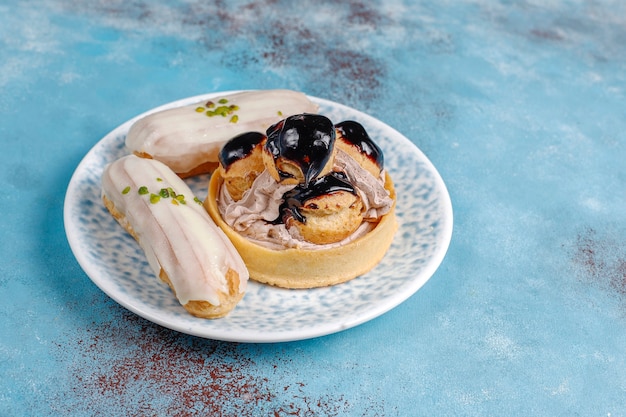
x=520, y=105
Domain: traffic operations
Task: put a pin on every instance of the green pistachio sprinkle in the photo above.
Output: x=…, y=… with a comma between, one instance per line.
x=159, y=179
x=280, y=113
x=234, y=119
x=211, y=110
x=168, y=192
x=197, y=200
x=220, y=111
x=126, y=190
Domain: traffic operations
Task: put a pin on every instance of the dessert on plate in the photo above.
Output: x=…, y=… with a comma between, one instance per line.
x=307, y=204
x=182, y=244
x=294, y=200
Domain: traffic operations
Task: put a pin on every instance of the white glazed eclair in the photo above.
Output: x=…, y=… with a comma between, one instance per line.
x=188, y=138
x=183, y=245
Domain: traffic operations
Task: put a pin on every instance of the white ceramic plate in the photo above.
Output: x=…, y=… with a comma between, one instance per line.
x=117, y=265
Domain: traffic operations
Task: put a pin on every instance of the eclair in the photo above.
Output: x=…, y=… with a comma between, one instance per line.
x=183, y=246
x=188, y=139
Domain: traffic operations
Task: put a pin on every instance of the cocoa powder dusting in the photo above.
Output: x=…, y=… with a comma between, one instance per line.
x=546, y=35
x=358, y=75
x=362, y=13
x=328, y=57
x=133, y=367
x=602, y=261
x=336, y=67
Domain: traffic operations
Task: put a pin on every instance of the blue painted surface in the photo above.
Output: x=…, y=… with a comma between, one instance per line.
x=520, y=105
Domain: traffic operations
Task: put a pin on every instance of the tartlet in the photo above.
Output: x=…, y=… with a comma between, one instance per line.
x=292, y=259
x=308, y=268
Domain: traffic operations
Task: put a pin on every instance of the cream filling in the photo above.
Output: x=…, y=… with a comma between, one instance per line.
x=181, y=239
x=252, y=216
x=183, y=138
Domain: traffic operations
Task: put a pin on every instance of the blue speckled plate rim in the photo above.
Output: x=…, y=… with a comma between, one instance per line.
x=325, y=328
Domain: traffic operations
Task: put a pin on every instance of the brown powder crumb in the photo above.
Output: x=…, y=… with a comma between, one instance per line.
x=133, y=367
x=362, y=13
x=601, y=261
x=306, y=406
x=546, y=34
x=356, y=74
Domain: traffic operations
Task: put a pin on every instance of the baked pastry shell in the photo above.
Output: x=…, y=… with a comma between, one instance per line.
x=306, y=268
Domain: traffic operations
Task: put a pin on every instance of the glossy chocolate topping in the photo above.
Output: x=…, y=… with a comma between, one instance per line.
x=239, y=147
x=354, y=133
x=305, y=139
x=297, y=197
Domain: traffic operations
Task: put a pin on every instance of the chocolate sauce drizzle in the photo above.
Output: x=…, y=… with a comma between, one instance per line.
x=354, y=133
x=239, y=147
x=306, y=139
x=294, y=199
